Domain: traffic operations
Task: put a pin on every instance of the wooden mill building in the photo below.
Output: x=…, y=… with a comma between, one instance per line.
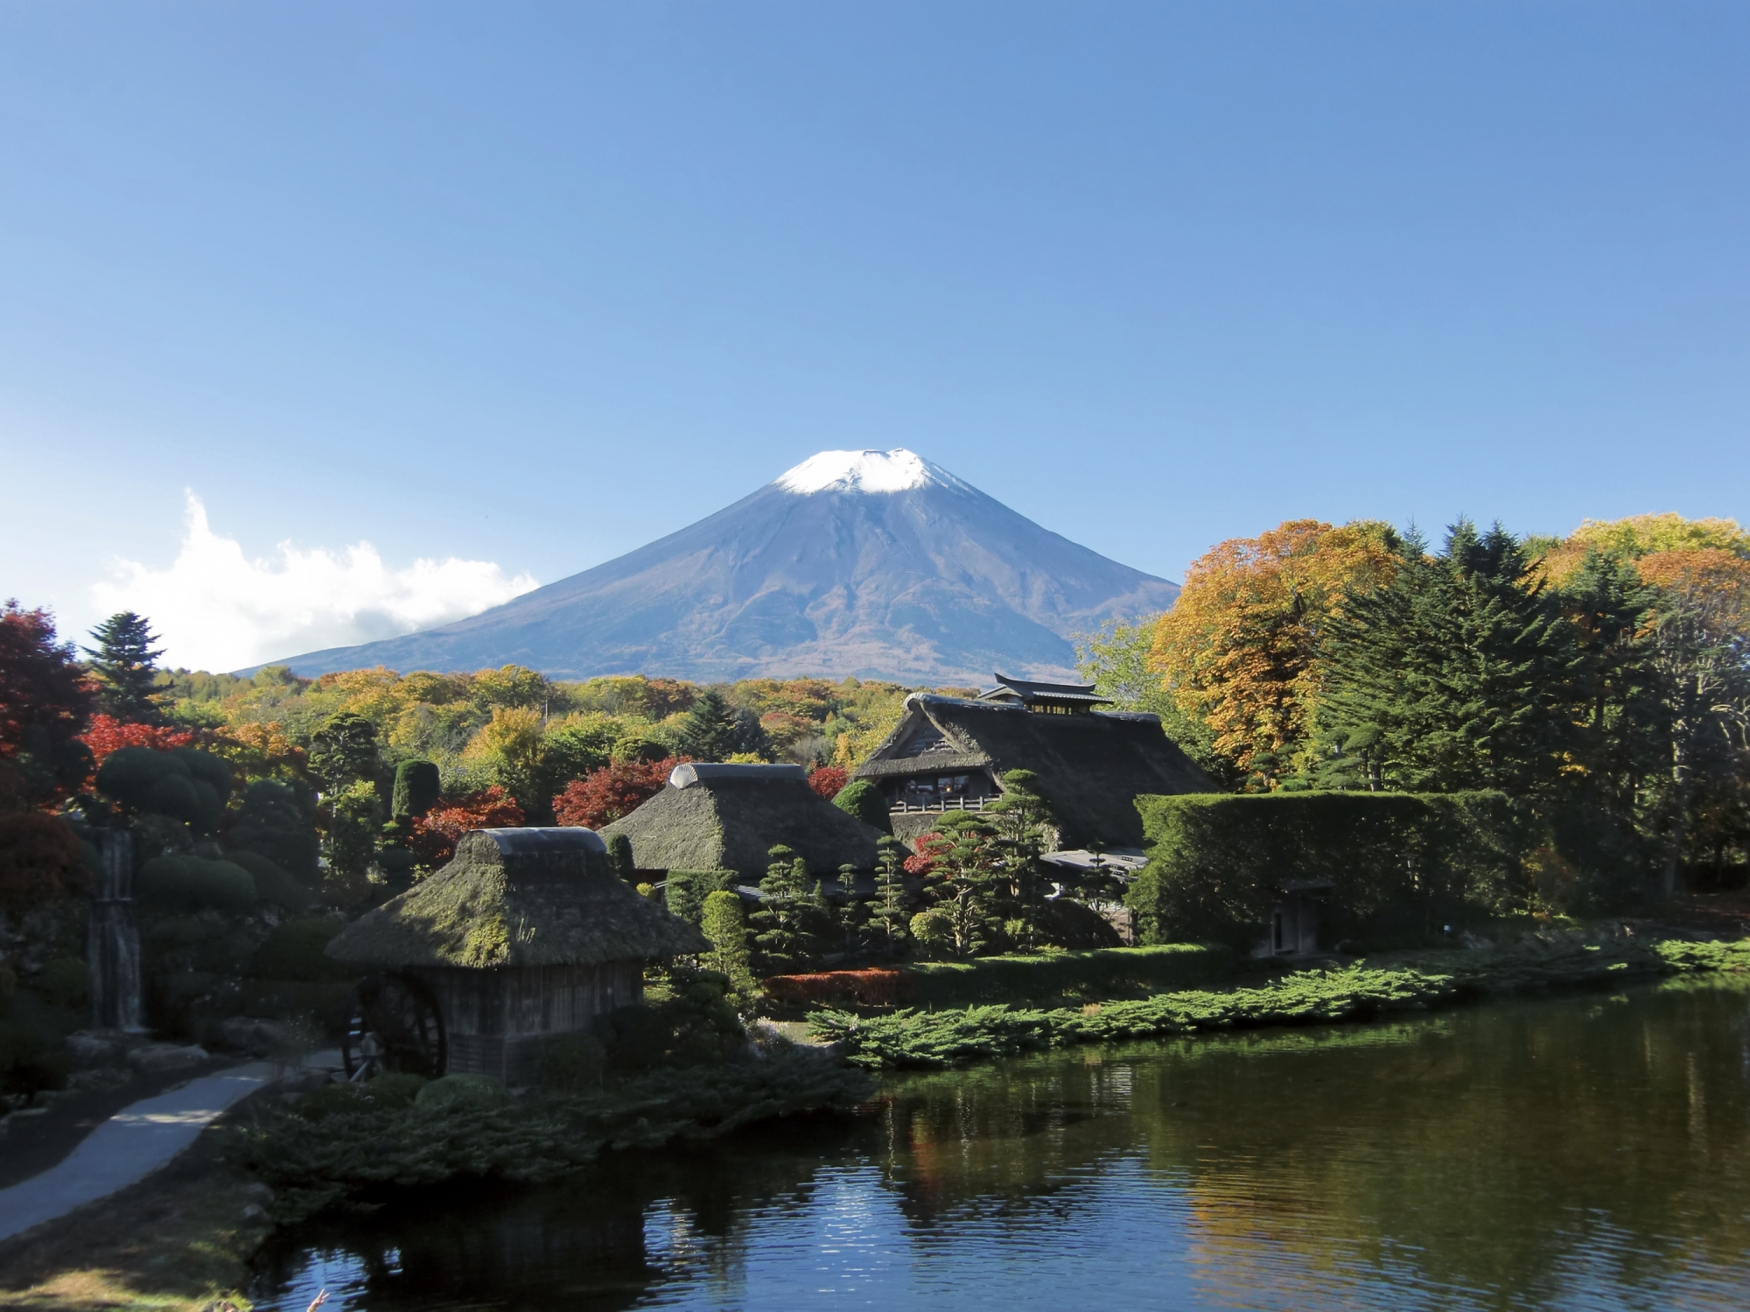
x=951, y=753
x=524, y=935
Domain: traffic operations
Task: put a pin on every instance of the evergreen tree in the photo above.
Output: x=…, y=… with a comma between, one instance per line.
x=889, y=915
x=1459, y=674
x=344, y=751
x=721, y=921
x=851, y=912
x=125, y=663
x=779, y=936
x=714, y=730
x=1020, y=819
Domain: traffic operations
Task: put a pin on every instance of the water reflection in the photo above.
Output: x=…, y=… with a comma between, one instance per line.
x=1574, y=1153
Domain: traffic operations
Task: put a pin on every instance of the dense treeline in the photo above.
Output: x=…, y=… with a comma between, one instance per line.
x=1603, y=678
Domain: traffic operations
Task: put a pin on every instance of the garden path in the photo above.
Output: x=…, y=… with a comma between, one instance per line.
x=131, y=1145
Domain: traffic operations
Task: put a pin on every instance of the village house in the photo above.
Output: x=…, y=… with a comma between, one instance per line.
x=951, y=753
x=525, y=935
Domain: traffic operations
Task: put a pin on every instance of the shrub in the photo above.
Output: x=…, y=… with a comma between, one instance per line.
x=274, y=822
x=193, y=883
x=297, y=950
x=864, y=800
x=687, y=890
x=64, y=982
x=1402, y=865
x=620, y=855
x=876, y=987
x=185, y=783
x=273, y=883
x=1102, y=973
x=571, y=1063
x=32, y=1058
x=475, y=1090
x=722, y=922
x=933, y=933
x=417, y=789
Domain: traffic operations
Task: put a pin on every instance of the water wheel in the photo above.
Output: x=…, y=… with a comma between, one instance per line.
x=394, y=1025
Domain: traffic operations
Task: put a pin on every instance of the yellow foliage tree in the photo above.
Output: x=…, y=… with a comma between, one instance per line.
x=1239, y=649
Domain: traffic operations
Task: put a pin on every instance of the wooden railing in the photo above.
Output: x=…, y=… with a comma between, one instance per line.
x=903, y=807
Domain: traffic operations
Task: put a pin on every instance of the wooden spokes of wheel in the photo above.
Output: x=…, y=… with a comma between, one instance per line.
x=394, y=1025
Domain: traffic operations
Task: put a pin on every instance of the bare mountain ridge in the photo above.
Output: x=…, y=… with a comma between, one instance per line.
x=869, y=563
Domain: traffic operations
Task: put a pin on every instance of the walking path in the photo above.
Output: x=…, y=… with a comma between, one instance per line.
x=131, y=1145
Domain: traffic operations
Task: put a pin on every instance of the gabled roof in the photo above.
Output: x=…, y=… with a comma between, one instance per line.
x=518, y=897
x=729, y=817
x=1029, y=693
x=1091, y=767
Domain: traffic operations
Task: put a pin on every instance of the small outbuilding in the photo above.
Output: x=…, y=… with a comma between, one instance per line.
x=526, y=934
x=728, y=817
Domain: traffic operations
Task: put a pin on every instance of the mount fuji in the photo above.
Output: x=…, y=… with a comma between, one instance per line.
x=877, y=564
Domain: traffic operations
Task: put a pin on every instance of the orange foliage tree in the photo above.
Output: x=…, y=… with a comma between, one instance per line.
x=616, y=790
x=108, y=734
x=436, y=833
x=1239, y=649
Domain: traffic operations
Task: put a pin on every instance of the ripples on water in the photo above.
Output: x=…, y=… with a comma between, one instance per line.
x=1567, y=1154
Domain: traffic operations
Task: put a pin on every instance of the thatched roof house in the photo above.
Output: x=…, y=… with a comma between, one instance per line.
x=525, y=935
x=517, y=897
x=727, y=817
x=1091, y=765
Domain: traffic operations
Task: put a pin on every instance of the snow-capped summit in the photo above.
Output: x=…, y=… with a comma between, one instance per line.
x=897, y=470
x=873, y=563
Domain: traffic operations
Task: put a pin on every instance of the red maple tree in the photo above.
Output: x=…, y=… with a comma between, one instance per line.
x=613, y=791
x=108, y=734
x=45, y=703
x=827, y=780
x=436, y=833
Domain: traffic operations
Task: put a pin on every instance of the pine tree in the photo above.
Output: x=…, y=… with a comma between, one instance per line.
x=714, y=730
x=1021, y=816
x=780, y=943
x=1459, y=674
x=126, y=665
x=889, y=913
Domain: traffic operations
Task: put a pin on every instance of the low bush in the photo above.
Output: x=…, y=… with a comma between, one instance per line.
x=193, y=883
x=863, y=800
x=943, y=1038
x=1102, y=973
x=297, y=950
x=455, y=1090
x=875, y=987
x=361, y=1143
x=1402, y=865
x=273, y=883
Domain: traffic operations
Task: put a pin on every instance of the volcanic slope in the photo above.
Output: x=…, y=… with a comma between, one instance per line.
x=870, y=563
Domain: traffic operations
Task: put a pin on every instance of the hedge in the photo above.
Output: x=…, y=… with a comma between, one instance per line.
x=193, y=883
x=1403, y=865
x=1103, y=972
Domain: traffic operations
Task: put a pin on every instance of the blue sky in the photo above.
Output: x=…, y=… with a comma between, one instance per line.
x=528, y=285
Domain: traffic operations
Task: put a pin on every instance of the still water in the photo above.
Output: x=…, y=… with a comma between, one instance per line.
x=1573, y=1153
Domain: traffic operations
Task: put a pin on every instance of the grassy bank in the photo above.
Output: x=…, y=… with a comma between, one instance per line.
x=926, y=1039
x=335, y=1144
x=1102, y=972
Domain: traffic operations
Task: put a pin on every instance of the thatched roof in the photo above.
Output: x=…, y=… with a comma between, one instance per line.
x=727, y=817
x=518, y=897
x=1091, y=766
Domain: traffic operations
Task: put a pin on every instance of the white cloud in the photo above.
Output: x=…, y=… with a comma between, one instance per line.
x=217, y=609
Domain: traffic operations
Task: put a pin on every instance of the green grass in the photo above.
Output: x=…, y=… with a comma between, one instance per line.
x=933, y=1039
x=1054, y=976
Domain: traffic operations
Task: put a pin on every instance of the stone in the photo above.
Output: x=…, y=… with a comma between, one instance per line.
x=158, y=1057
x=94, y=1047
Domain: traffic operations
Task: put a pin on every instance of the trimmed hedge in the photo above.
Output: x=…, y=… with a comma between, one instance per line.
x=1403, y=865
x=862, y=799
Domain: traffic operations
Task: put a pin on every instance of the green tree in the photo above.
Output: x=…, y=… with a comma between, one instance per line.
x=714, y=730
x=863, y=799
x=967, y=881
x=1118, y=660
x=125, y=664
x=620, y=856
x=889, y=915
x=1458, y=674
x=1020, y=817
x=344, y=752
x=721, y=921
x=781, y=940
x=417, y=789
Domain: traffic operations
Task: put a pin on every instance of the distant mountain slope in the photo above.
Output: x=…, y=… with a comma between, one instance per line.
x=869, y=563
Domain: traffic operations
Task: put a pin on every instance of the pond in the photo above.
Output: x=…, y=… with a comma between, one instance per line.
x=1569, y=1153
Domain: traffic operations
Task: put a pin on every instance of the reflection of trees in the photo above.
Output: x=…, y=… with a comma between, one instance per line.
x=1489, y=1154
x=1495, y=1157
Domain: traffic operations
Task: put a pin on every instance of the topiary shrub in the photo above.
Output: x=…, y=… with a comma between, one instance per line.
x=722, y=922
x=687, y=890
x=273, y=883
x=864, y=800
x=274, y=821
x=620, y=853
x=297, y=950
x=933, y=934
x=190, y=785
x=417, y=789
x=193, y=883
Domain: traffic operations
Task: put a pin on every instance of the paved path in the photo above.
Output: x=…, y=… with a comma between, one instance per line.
x=129, y=1146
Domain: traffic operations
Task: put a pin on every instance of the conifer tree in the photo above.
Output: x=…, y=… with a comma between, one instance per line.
x=889, y=913
x=780, y=943
x=714, y=730
x=125, y=663
x=721, y=921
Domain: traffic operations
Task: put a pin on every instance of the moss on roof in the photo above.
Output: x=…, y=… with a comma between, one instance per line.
x=518, y=897
x=731, y=824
